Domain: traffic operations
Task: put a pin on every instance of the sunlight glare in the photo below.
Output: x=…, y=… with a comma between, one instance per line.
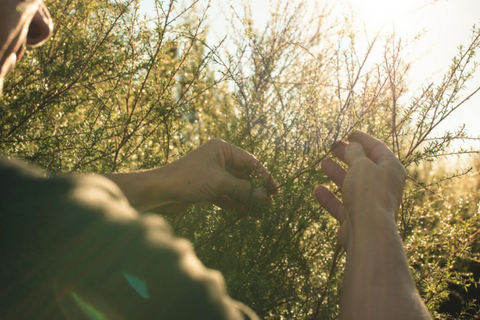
x=378, y=14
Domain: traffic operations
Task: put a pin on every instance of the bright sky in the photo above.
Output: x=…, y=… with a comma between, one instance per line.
x=447, y=23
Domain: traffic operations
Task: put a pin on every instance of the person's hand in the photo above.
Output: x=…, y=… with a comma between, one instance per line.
x=216, y=171
x=222, y=174
x=371, y=188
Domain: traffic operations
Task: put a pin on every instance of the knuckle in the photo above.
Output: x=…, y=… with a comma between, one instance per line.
x=216, y=179
x=364, y=162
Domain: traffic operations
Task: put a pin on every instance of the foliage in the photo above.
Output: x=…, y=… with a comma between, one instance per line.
x=115, y=91
x=107, y=81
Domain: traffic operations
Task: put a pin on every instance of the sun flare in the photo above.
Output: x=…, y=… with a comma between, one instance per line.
x=380, y=13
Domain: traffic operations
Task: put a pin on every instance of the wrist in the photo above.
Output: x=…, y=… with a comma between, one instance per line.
x=147, y=190
x=370, y=225
x=367, y=213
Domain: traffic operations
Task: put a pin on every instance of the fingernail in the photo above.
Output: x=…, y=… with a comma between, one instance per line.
x=260, y=194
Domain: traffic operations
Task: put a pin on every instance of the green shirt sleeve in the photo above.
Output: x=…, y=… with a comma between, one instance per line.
x=76, y=249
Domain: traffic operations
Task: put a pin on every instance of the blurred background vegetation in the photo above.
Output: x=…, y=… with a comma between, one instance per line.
x=115, y=91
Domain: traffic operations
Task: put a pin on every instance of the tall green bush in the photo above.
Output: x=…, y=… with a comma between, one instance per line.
x=116, y=91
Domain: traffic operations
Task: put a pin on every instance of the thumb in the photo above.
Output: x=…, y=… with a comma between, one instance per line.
x=241, y=190
x=354, y=152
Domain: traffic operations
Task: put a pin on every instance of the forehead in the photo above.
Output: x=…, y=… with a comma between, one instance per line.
x=17, y=6
x=11, y=4
x=12, y=11
x=14, y=15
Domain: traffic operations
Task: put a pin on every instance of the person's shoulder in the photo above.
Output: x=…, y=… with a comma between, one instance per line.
x=26, y=190
x=16, y=169
x=81, y=231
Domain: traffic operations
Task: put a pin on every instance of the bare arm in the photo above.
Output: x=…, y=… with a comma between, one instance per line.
x=216, y=171
x=377, y=281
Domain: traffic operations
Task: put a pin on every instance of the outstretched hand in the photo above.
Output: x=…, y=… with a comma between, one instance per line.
x=371, y=188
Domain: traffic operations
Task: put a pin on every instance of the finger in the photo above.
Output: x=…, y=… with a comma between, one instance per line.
x=354, y=152
x=334, y=171
x=339, y=150
x=330, y=202
x=228, y=203
x=241, y=190
x=375, y=149
x=225, y=202
x=242, y=164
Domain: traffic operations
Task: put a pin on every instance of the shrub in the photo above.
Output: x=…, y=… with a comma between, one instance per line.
x=114, y=91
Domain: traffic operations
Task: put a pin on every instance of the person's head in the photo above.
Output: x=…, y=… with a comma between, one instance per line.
x=22, y=22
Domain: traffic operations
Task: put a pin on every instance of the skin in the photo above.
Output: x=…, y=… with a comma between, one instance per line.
x=216, y=171
x=23, y=22
x=377, y=284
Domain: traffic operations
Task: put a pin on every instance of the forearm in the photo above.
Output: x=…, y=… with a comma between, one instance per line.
x=150, y=190
x=377, y=282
